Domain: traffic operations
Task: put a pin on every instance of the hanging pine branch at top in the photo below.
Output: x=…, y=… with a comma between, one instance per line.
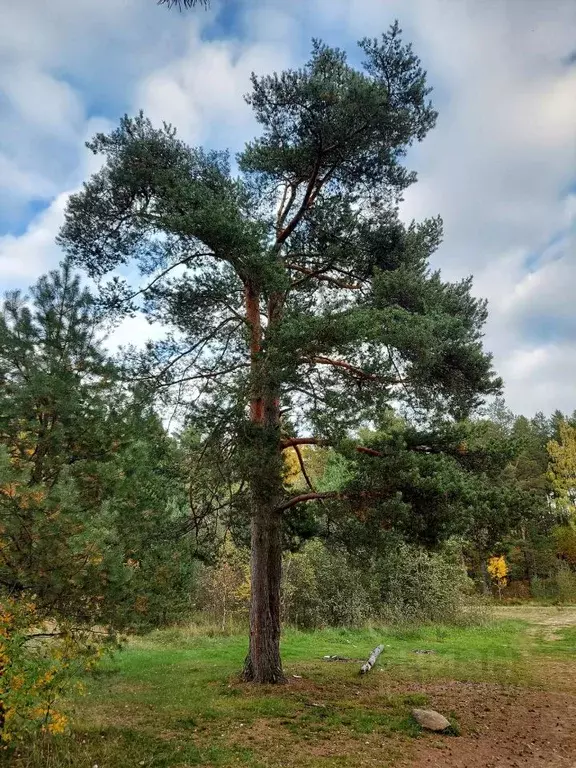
x=182, y=4
x=301, y=306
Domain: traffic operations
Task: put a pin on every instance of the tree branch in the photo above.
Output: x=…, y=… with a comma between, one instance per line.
x=292, y=442
x=308, y=199
x=303, y=468
x=320, y=275
x=164, y=273
x=359, y=372
x=307, y=497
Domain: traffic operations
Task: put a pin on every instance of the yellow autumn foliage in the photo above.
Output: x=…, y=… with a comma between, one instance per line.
x=498, y=570
x=38, y=662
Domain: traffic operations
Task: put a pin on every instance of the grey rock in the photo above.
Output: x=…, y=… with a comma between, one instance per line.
x=430, y=719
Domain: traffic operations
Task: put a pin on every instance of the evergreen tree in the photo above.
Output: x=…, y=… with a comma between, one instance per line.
x=57, y=437
x=562, y=469
x=93, y=507
x=301, y=305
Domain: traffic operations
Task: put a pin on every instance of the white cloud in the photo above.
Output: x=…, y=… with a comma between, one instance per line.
x=24, y=258
x=201, y=91
x=541, y=378
x=496, y=168
x=43, y=102
x=134, y=330
x=21, y=183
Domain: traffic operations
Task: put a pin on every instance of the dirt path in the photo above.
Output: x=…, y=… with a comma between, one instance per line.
x=540, y=616
x=509, y=727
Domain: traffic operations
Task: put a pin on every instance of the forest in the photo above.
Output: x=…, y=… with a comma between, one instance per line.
x=319, y=440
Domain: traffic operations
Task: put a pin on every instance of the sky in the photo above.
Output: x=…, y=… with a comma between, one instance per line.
x=500, y=167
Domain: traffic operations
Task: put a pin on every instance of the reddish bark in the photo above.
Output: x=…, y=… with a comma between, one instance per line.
x=253, y=317
x=263, y=663
x=291, y=442
x=369, y=451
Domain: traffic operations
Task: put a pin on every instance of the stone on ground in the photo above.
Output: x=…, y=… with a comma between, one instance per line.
x=430, y=719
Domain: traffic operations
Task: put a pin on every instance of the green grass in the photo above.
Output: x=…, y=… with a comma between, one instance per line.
x=174, y=699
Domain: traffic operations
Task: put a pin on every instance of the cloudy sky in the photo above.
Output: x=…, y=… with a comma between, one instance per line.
x=500, y=167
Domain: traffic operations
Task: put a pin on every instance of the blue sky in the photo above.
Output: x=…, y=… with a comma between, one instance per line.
x=500, y=167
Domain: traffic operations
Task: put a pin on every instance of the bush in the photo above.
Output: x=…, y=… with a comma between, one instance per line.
x=320, y=588
x=39, y=662
x=419, y=586
x=224, y=590
x=558, y=588
x=566, y=584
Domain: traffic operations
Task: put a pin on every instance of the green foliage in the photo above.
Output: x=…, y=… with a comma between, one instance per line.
x=403, y=584
x=92, y=503
x=298, y=301
x=419, y=586
x=92, y=491
x=320, y=588
x=59, y=435
x=333, y=138
x=560, y=587
x=562, y=470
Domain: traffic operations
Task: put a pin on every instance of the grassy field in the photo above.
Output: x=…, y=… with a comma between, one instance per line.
x=173, y=699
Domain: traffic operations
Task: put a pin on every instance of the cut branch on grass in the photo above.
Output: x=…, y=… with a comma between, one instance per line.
x=365, y=668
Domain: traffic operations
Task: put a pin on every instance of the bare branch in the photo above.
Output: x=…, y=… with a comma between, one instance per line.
x=165, y=272
x=358, y=372
x=307, y=497
x=320, y=274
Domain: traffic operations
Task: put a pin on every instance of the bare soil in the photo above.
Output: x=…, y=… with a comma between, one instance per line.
x=500, y=728
x=508, y=727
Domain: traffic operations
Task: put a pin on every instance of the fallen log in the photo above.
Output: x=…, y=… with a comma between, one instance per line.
x=371, y=660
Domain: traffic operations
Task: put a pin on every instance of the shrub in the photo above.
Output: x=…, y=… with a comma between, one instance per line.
x=38, y=662
x=320, y=588
x=420, y=586
x=558, y=588
x=566, y=584
x=224, y=592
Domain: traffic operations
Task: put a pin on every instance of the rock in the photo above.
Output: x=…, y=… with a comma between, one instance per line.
x=431, y=720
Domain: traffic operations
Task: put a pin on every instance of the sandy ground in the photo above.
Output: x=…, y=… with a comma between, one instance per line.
x=504, y=726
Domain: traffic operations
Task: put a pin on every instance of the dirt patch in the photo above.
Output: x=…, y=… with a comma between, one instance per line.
x=500, y=727
x=544, y=616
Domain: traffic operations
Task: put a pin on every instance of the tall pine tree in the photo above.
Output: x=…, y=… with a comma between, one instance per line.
x=301, y=305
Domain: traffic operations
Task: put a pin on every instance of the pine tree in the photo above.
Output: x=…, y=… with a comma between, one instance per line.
x=90, y=484
x=56, y=435
x=562, y=469
x=301, y=305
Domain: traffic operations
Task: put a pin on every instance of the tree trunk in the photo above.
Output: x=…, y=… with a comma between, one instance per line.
x=486, y=580
x=263, y=663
